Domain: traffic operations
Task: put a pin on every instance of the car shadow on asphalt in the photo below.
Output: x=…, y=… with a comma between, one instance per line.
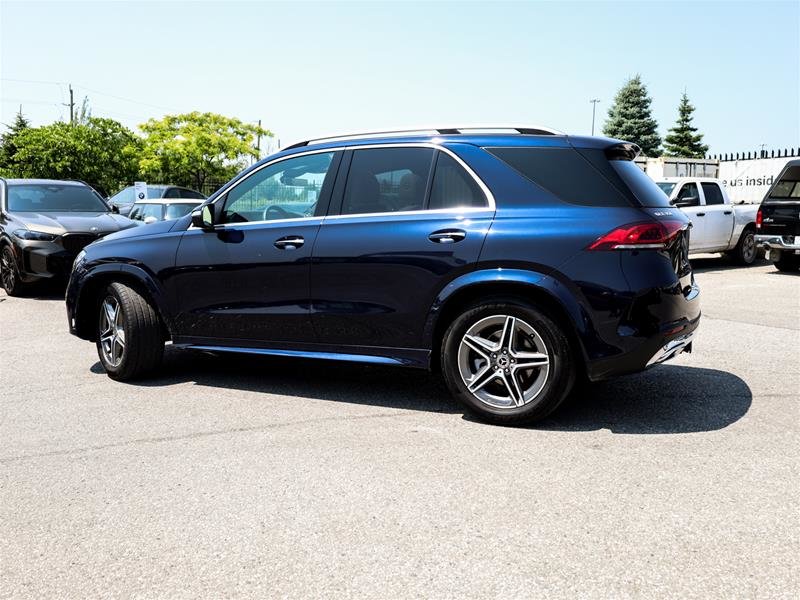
x=667, y=399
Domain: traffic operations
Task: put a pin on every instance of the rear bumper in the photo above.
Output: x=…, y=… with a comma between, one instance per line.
x=778, y=242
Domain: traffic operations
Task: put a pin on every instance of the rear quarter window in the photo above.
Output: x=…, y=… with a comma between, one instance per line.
x=565, y=173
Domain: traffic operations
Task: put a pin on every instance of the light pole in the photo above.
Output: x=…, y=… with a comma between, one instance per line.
x=594, y=102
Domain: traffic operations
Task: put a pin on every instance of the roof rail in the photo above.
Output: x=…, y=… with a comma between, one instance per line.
x=438, y=130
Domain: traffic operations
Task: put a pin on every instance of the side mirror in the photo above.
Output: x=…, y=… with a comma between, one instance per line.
x=148, y=220
x=687, y=201
x=115, y=209
x=203, y=217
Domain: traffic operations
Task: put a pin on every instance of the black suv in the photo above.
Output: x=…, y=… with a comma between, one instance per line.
x=44, y=224
x=515, y=261
x=778, y=219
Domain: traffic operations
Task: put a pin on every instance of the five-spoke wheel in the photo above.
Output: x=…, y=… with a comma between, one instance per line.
x=507, y=361
x=130, y=338
x=112, y=331
x=503, y=361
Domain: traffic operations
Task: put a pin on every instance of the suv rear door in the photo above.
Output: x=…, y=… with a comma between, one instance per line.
x=780, y=210
x=404, y=222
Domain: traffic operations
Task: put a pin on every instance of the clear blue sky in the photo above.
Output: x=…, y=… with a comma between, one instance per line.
x=308, y=68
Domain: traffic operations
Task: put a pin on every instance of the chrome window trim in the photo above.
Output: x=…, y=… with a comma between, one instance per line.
x=490, y=207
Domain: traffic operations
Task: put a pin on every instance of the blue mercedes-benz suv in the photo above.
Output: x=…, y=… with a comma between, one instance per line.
x=514, y=260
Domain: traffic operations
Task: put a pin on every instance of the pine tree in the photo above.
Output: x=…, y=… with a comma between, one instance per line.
x=630, y=119
x=8, y=146
x=683, y=139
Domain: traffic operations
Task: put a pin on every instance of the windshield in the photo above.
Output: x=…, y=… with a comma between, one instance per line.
x=666, y=187
x=176, y=211
x=128, y=195
x=49, y=197
x=788, y=188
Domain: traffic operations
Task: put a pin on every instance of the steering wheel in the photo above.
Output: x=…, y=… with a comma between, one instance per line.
x=276, y=212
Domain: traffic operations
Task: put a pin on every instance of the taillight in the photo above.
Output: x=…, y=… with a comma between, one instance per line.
x=759, y=218
x=654, y=235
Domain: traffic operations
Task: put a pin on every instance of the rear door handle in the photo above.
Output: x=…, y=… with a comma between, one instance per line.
x=447, y=236
x=290, y=242
x=728, y=212
x=701, y=214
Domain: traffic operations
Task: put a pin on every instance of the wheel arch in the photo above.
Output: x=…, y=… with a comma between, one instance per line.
x=544, y=291
x=104, y=275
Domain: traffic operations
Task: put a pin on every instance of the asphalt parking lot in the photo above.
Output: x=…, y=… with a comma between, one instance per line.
x=267, y=477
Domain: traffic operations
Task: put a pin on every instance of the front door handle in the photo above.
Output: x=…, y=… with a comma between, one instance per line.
x=290, y=242
x=447, y=236
x=701, y=214
x=728, y=212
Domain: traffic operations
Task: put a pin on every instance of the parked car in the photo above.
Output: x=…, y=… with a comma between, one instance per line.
x=514, y=261
x=44, y=224
x=124, y=199
x=717, y=225
x=150, y=211
x=778, y=219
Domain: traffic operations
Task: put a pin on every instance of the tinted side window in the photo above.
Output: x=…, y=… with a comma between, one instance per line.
x=387, y=180
x=688, y=196
x=563, y=172
x=712, y=193
x=191, y=195
x=453, y=186
x=172, y=193
x=288, y=189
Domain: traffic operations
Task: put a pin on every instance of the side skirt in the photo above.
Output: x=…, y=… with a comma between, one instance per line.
x=404, y=357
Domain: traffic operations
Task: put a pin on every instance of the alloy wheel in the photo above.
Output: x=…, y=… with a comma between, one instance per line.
x=503, y=361
x=7, y=271
x=112, y=331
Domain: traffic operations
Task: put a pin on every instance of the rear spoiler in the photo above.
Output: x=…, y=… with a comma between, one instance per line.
x=622, y=151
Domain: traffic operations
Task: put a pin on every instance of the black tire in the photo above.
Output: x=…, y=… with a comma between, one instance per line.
x=9, y=274
x=143, y=337
x=746, y=251
x=559, y=379
x=788, y=263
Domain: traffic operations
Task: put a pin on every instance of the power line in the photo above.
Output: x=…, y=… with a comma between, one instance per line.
x=88, y=89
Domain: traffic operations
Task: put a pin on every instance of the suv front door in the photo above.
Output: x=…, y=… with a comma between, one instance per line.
x=404, y=223
x=248, y=279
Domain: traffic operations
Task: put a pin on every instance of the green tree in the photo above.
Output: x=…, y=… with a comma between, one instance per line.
x=8, y=144
x=191, y=148
x=630, y=119
x=683, y=139
x=101, y=152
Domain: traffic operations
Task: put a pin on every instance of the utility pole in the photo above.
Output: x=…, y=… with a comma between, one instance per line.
x=258, y=140
x=594, y=102
x=71, y=106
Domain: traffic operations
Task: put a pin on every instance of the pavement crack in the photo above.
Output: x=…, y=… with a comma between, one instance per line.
x=190, y=436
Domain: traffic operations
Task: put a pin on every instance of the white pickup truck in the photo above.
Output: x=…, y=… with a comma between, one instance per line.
x=717, y=225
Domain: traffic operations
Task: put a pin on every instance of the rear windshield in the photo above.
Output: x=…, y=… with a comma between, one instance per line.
x=788, y=187
x=566, y=173
x=645, y=189
x=53, y=198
